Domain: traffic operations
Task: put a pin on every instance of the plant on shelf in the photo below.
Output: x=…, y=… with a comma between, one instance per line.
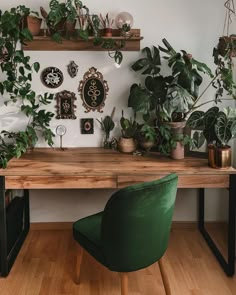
x=61, y=16
x=218, y=128
x=15, y=88
x=107, y=125
x=173, y=97
x=126, y=143
x=107, y=23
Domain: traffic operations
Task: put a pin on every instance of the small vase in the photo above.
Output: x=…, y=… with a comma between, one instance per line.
x=106, y=142
x=107, y=32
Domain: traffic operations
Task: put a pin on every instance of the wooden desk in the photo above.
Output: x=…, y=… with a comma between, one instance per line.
x=100, y=168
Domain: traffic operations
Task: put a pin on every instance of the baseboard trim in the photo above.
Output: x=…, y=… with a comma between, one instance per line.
x=175, y=225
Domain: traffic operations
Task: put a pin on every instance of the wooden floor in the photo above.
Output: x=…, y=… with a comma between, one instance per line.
x=46, y=265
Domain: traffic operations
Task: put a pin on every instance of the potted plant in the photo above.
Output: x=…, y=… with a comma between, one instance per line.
x=218, y=128
x=146, y=136
x=170, y=99
x=107, y=23
x=62, y=17
x=167, y=99
x=107, y=126
x=127, y=143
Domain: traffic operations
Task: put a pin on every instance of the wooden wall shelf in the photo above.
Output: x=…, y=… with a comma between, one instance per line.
x=42, y=43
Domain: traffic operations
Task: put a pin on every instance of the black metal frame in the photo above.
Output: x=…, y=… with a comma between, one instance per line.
x=7, y=260
x=229, y=265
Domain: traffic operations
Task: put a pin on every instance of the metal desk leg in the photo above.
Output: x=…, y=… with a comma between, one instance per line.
x=3, y=230
x=229, y=265
x=7, y=260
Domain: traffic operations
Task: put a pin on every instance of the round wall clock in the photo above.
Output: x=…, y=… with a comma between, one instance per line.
x=52, y=77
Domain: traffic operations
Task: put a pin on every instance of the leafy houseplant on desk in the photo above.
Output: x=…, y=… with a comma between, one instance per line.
x=166, y=100
x=218, y=127
x=107, y=126
x=127, y=143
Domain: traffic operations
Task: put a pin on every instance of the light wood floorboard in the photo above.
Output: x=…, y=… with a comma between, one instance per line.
x=46, y=266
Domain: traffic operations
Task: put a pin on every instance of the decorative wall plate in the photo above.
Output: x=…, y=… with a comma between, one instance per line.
x=52, y=77
x=72, y=69
x=86, y=126
x=93, y=90
x=65, y=105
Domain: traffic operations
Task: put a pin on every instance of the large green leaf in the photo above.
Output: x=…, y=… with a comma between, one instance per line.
x=223, y=128
x=150, y=64
x=196, y=120
x=177, y=100
x=233, y=128
x=138, y=98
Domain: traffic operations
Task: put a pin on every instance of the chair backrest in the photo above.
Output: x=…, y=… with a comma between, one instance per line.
x=136, y=224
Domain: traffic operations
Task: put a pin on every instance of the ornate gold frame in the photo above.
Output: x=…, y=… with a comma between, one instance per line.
x=65, y=105
x=93, y=90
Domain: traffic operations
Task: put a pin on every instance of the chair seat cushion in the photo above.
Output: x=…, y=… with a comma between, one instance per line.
x=87, y=232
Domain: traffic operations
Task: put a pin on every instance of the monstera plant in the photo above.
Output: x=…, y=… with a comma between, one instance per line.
x=15, y=87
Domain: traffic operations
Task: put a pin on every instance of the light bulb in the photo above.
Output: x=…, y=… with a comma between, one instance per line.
x=124, y=21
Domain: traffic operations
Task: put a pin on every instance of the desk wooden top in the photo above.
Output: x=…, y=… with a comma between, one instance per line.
x=101, y=168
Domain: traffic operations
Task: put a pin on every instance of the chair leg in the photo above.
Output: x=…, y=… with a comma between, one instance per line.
x=164, y=277
x=79, y=257
x=124, y=283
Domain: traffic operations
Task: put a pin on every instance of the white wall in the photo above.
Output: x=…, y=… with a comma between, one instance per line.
x=187, y=24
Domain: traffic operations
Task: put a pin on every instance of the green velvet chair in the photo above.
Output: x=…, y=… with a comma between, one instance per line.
x=133, y=230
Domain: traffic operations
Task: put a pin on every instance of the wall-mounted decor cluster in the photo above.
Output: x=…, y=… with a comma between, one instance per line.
x=72, y=69
x=52, y=77
x=65, y=105
x=93, y=90
x=86, y=126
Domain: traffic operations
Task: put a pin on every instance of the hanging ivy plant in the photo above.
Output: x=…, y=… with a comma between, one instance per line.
x=15, y=87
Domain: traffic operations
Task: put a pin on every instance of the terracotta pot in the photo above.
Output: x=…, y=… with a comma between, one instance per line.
x=178, y=152
x=223, y=157
x=177, y=129
x=107, y=32
x=126, y=145
x=70, y=26
x=34, y=24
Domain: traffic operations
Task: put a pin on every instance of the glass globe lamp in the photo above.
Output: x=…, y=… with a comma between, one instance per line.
x=124, y=22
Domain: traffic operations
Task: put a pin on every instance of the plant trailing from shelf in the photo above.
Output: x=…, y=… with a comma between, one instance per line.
x=16, y=88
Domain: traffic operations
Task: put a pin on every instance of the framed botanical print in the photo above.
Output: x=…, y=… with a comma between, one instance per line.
x=86, y=126
x=199, y=147
x=52, y=77
x=65, y=105
x=93, y=90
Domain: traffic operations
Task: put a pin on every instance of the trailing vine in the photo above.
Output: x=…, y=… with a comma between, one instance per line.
x=15, y=87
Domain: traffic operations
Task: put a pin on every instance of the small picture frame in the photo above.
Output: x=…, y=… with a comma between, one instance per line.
x=87, y=126
x=199, y=150
x=52, y=77
x=93, y=90
x=65, y=105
